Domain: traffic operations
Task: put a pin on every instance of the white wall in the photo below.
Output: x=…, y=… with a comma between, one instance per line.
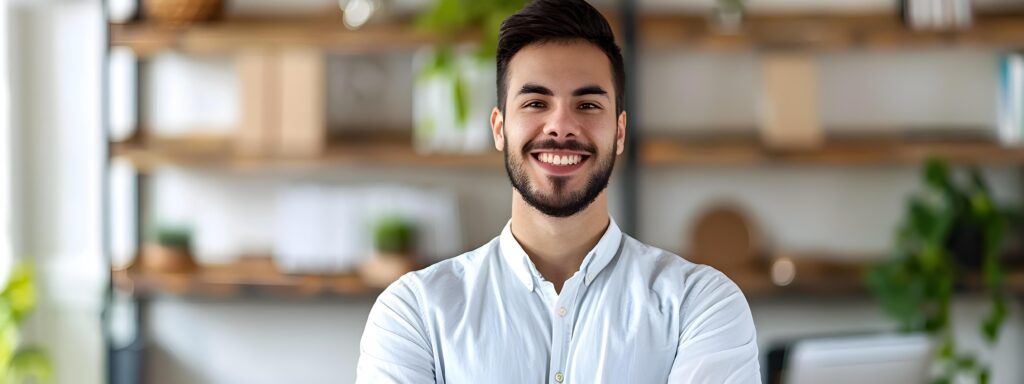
x=58, y=53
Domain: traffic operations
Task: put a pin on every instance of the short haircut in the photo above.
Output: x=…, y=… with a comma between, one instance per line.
x=558, y=21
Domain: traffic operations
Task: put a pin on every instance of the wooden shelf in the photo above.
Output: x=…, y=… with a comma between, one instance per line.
x=237, y=34
x=826, y=278
x=822, y=32
x=256, y=276
x=218, y=152
x=848, y=151
x=774, y=31
x=396, y=151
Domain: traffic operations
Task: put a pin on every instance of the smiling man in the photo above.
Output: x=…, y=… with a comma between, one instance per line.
x=561, y=295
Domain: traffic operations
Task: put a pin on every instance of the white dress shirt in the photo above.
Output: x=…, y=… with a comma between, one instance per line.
x=631, y=314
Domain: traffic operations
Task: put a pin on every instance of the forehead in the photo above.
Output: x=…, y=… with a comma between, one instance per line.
x=560, y=66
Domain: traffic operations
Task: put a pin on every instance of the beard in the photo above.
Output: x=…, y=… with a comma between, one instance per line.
x=560, y=202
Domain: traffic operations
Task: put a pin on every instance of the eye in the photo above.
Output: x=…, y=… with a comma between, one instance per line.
x=589, y=106
x=534, y=104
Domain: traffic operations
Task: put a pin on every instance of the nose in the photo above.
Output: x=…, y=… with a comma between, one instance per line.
x=562, y=124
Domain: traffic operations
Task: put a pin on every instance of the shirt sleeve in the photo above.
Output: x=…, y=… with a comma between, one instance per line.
x=718, y=343
x=394, y=347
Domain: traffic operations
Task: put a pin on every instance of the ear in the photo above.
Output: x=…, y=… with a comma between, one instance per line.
x=620, y=134
x=498, y=129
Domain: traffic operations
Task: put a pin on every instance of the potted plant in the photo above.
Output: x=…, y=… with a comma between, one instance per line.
x=20, y=364
x=394, y=240
x=171, y=251
x=952, y=227
x=728, y=14
x=454, y=88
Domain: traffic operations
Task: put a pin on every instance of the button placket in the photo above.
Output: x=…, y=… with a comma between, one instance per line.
x=563, y=324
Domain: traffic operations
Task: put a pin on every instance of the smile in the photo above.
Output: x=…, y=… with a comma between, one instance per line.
x=560, y=162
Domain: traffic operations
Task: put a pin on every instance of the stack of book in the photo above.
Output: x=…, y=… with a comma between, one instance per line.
x=1011, y=98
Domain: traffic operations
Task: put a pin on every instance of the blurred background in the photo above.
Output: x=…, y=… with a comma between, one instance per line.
x=208, y=191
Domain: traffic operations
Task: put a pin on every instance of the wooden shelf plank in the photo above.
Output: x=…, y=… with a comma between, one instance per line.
x=822, y=32
x=258, y=277
x=825, y=277
x=851, y=151
x=231, y=35
x=396, y=151
x=218, y=152
x=694, y=31
x=254, y=276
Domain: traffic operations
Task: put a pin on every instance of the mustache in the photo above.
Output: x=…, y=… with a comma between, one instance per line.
x=551, y=144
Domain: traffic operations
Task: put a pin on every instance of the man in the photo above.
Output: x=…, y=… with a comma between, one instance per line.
x=561, y=295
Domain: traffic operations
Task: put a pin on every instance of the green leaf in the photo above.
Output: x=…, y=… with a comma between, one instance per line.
x=20, y=295
x=31, y=365
x=461, y=100
x=936, y=174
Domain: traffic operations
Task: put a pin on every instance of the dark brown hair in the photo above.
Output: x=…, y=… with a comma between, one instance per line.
x=558, y=21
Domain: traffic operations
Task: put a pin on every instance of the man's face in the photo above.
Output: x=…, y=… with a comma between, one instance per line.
x=559, y=132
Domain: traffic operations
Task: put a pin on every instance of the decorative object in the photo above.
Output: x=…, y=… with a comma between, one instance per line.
x=182, y=12
x=724, y=238
x=951, y=227
x=789, y=103
x=453, y=84
x=728, y=15
x=937, y=15
x=172, y=251
x=283, y=102
x=452, y=102
x=1010, y=129
x=323, y=229
x=20, y=364
x=394, y=241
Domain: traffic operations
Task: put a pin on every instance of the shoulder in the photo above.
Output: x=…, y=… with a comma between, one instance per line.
x=444, y=277
x=665, y=270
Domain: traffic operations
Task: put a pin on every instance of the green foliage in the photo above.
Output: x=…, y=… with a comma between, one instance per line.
x=179, y=237
x=25, y=364
x=452, y=18
x=394, y=235
x=916, y=285
x=731, y=5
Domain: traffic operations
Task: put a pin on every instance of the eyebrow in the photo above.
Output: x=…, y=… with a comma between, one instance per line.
x=534, y=88
x=590, y=90
x=529, y=88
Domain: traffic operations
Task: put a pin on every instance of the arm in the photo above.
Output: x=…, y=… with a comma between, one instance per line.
x=718, y=343
x=394, y=347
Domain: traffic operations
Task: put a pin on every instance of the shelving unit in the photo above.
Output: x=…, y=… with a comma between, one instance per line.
x=257, y=276
x=758, y=32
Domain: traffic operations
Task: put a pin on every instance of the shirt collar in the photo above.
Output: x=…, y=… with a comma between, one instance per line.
x=593, y=263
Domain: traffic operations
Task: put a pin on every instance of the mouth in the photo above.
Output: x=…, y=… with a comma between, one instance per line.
x=560, y=163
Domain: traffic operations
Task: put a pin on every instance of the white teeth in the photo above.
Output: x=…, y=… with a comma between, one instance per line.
x=560, y=160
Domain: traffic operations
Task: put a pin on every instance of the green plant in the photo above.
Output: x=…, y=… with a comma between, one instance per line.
x=171, y=236
x=19, y=364
x=452, y=18
x=730, y=5
x=916, y=285
x=394, y=235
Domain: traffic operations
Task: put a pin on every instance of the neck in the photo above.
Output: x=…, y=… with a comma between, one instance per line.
x=558, y=245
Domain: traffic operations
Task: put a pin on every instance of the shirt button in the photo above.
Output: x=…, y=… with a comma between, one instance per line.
x=562, y=312
x=559, y=377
